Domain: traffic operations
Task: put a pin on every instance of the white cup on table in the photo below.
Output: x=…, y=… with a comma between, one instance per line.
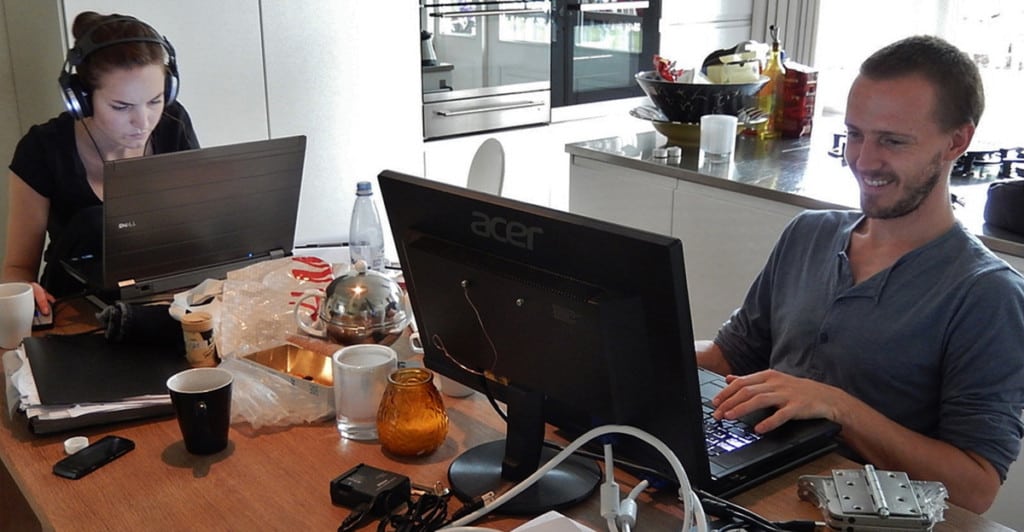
x=360, y=376
x=17, y=306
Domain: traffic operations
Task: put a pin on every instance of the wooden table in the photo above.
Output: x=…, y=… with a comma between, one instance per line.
x=278, y=479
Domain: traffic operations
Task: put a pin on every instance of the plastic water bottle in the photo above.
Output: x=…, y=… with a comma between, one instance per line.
x=365, y=236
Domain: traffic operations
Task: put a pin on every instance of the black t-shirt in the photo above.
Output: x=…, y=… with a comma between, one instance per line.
x=46, y=158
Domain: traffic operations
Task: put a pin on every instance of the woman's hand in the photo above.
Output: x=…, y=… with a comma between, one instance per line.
x=44, y=301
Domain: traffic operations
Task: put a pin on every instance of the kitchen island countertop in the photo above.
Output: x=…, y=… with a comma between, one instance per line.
x=800, y=172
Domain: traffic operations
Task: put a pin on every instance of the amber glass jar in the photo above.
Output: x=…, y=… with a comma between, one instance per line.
x=411, y=420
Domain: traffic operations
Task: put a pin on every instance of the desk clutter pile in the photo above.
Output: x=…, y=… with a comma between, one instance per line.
x=281, y=377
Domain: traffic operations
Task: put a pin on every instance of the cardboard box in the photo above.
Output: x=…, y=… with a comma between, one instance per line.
x=799, y=91
x=798, y=75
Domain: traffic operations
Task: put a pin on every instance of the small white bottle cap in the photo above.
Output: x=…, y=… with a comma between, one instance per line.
x=675, y=152
x=660, y=153
x=75, y=444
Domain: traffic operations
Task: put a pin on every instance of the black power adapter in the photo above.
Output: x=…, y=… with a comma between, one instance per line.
x=370, y=490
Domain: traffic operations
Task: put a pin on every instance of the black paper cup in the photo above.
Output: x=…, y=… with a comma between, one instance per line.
x=202, y=403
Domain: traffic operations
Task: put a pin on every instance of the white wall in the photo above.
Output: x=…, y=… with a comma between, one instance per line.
x=10, y=129
x=347, y=76
x=19, y=52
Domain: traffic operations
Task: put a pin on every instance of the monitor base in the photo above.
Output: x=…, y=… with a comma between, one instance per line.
x=478, y=471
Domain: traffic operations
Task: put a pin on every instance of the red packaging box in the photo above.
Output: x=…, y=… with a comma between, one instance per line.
x=799, y=90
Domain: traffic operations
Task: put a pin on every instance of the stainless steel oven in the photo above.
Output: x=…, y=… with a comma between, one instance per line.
x=489, y=65
x=599, y=45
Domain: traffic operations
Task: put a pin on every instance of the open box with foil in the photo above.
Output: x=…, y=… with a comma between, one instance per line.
x=308, y=371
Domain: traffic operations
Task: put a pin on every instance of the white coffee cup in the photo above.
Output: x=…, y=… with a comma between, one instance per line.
x=718, y=136
x=17, y=306
x=360, y=376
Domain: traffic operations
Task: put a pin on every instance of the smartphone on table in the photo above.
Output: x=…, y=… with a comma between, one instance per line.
x=94, y=456
x=42, y=321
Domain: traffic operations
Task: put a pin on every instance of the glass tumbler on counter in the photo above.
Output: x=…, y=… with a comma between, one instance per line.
x=412, y=420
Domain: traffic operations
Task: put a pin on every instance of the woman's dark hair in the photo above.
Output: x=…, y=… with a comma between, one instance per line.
x=960, y=95
x=105, y=28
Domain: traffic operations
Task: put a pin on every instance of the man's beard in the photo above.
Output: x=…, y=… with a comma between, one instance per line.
x=912, y=197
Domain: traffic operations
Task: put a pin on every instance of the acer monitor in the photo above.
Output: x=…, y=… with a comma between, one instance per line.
x=567, y=320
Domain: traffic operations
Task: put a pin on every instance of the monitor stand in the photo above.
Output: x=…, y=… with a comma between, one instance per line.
x=491, y=467
x=478, y=471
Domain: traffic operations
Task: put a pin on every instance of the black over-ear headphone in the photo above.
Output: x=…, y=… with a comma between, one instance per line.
x=77, y=98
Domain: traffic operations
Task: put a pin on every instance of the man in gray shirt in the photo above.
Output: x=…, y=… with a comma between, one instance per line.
x=894, y=322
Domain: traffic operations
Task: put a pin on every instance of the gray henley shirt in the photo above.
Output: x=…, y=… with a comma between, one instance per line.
x=935, y=342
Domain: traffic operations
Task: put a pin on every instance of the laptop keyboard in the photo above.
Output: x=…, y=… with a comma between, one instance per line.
x=726, y=435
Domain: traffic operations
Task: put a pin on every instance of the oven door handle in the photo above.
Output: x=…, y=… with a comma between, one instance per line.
x=508, y=107
x=608, y=6
x=465, y=14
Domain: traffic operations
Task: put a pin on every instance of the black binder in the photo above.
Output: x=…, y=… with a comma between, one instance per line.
x=70, y=370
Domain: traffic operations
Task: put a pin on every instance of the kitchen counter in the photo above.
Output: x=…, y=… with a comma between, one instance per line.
x=729, y=215
x=799, y=172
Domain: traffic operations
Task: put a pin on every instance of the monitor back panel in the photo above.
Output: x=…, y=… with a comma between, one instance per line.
x=180, y=216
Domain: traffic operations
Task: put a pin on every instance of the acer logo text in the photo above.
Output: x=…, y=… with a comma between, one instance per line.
x=503, y=230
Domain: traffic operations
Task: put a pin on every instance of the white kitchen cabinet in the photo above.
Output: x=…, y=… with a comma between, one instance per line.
x=692, y=30
x=726, y=236
x=682, y=12
x=642, y=200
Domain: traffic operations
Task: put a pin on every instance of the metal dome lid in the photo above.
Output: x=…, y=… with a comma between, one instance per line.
x=364, y=299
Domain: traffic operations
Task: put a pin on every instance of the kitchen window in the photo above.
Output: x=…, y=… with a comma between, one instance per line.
x=991, y=31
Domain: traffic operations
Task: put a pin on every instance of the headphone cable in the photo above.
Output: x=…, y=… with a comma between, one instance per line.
x=94, y=143
x=147, y=147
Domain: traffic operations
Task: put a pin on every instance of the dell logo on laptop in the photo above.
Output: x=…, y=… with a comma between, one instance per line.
x=504, y=231
x=130, y=224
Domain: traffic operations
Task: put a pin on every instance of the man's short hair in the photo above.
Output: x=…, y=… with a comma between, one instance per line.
x=960, y=95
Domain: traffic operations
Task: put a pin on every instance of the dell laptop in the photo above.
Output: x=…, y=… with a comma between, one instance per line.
x=172, y=220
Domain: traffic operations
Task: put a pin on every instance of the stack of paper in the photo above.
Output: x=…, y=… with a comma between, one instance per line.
x=66, y=382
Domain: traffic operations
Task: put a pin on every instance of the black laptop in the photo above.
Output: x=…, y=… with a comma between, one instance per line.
x=738, y=458
x=172, y=220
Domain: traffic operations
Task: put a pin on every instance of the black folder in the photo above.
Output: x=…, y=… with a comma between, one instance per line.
x=70, y=370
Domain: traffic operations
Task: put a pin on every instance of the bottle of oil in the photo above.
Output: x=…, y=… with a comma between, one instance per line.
x=770, y=98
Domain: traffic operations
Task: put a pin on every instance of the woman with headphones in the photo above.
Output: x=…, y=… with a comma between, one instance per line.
x=120, y=84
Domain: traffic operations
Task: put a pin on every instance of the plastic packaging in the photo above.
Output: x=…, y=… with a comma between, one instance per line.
x=365, y=236
x=259, y=303
x=261, y=398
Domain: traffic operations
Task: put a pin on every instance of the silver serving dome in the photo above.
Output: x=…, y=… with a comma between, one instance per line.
x=364, y=307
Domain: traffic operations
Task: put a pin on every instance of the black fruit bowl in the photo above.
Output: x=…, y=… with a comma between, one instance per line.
x=687, y=102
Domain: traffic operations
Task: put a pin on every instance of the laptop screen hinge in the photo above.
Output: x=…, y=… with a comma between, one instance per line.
x=277, y=253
